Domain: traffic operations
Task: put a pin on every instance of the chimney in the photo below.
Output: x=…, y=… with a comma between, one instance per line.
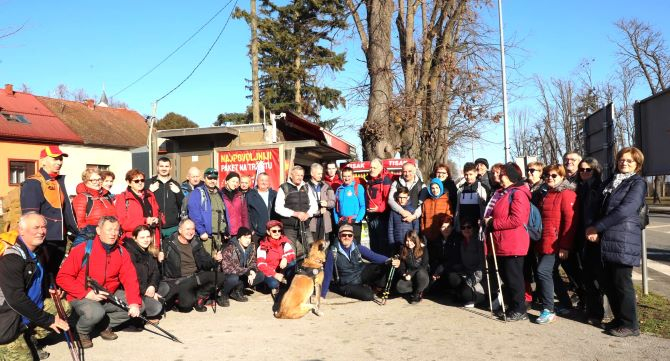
x=9, y=89
x=90, y=103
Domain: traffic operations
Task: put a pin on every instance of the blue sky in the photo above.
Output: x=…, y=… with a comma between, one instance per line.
x=91, y=44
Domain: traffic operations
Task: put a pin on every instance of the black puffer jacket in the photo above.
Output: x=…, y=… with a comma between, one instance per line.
x=411, y=264
x=146, y=266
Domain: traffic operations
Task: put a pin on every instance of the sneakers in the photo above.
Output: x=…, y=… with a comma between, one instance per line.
x=108, y=334
x=546, y=317
x=624, y=332
x=469, y=305
x=516, y=316
x=85, y=340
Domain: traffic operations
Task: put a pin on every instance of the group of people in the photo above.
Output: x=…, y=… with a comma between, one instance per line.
x=162, y=245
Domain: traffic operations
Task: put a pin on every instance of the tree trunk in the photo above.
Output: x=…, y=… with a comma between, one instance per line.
x=298, y=86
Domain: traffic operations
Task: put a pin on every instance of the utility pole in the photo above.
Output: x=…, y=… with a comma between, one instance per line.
x=255, y=91
x=504, y=78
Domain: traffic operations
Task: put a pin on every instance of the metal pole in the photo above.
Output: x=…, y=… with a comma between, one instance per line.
x=504, y=77
x=645, y=275
x=150, y=138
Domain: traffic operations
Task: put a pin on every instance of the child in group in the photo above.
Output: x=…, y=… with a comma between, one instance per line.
x=470, y=196
x=398, y=227
x=413, y=268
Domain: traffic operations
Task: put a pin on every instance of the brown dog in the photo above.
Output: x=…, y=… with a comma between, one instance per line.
x=306, y=283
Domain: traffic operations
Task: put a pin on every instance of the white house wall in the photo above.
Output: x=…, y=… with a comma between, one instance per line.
x=119, y=162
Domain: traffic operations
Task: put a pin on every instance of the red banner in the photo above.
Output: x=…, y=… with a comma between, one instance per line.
x=394, y=166
x=250, y=163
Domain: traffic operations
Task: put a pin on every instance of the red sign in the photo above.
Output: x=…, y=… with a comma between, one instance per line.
x=392, y=165
x=250, y=163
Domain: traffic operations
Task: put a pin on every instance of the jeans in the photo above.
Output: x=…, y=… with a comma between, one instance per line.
x=300, y=245
x=549, y=282
x=617, y=282
x=288, y=273
x=92, y=312
x=151, y=306
x=377, y=229
x=232, y=281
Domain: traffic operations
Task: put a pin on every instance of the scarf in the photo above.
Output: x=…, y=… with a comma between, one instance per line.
x=147, y=211
x=618, y=178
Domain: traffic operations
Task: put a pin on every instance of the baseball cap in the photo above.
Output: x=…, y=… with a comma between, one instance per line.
x=52, y=151
x=346, y=228
x=211, y=172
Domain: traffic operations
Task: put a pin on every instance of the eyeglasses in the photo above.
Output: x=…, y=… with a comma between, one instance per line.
x=212, y=178
x=275, y=231
x=137, y=181
x=346, y=235
x=554, y=175
x=95, y=180
x=466, y=227
x=585, y=170
x=627, y=161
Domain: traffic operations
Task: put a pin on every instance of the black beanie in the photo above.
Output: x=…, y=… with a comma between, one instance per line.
x=232, y=175
x=512, y=172
x=482, y=161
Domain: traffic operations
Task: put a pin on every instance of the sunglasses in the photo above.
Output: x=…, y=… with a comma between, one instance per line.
x=531, y=171
x=466, y=227
x=585, y=170
x=554, y=176
x=137, y=181
x=346, y=235
x=212, y=178
x=95, y=180
x=275, y=231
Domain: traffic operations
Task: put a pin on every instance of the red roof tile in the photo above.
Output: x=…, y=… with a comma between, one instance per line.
x=43, y=125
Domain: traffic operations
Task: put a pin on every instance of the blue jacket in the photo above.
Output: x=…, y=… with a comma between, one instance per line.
x=32, y=199
x=397, y=228
x=259, y=213
x=350, y=263
x=619, y=225
x=200, y=209
x=349, y=202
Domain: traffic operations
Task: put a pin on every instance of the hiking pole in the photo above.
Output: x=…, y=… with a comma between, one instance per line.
x=69, y=336
x=495, y=264
x=486, y=270
x=389, y=281
x=97, y=288
x=215, y=247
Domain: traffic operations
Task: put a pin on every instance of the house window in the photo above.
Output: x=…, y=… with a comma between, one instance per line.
x=99, y=167
x=20, y=170
x=17, y=118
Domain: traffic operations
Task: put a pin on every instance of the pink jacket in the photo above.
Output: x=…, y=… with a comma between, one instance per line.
x=509, y=220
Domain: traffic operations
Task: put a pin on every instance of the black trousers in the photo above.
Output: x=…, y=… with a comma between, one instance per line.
x=52, y=256
x=187, y=289
x=372, y=275
x=415, y=285
x=617, y=281
x=593, y=273
x=378, y=232
x=511, y=272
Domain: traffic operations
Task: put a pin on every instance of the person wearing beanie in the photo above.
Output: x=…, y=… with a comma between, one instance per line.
x=237, y=214
x=506, y=227
x=484, y=176
x=239, y=265
x=352, y=277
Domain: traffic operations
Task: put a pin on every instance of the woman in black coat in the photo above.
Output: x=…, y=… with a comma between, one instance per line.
x=413, y=268
x=143, y=254
x=619, y=231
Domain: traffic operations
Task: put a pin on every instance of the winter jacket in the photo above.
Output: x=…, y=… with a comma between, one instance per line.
x=17, y=270
x=294, y=198
x=324, y=193
x=588, y=195
x=411, y=265
x=451, y=190
x=414, y=187
x=461, y=256
x=349, y=203
x=509, y=219
x=334, y=182
x=559, y=219
x=200, y=210
x=101, y=205
x=377, y=191
x=54, y=205
x=146, y=266
x=538, y=191
x=112, y=269
x=172, y=263
x=397, y=228
x=271, y=251
x=237, y=214
x=619, y=224
x=349, y=264
x=131, y=214
x=259, y=212
x=435, y=211
x=169, y=202
x=470, y=202
x=236, y=260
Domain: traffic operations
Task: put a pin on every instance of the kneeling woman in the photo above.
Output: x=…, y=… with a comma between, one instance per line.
x=413, y=268
x=143, y=254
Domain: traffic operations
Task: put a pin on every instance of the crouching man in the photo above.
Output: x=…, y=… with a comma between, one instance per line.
x=22, y=299
x=353, y=277
x=188, y=274
x=103, y=260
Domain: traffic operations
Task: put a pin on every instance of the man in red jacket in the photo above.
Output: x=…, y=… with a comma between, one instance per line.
x=377, y=187
x=111, y=267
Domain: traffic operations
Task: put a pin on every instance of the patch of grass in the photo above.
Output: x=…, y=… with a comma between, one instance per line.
x=654, y=313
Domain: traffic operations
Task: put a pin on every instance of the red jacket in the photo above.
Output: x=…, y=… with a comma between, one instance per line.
x=111, y=269
x=559, y=219
x=271, y=251
x=377, y=191
x=130, y=214
x=509, y=219
x=334, y=182
x=101, y=206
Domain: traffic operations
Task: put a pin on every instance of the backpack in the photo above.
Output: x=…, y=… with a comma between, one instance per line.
x=534, y=224
x=11, y=210
x=7, y=240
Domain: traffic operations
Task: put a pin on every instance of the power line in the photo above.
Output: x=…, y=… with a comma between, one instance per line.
x=204, y=57
x=176, y=50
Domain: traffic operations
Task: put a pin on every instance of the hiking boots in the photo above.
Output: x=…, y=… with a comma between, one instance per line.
x=223, y=300
x=516, y=316
x=546, y=317
x=85, y=340
x=200, y=305
x=624, y=332
x=238, y=295
x=108, y=334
